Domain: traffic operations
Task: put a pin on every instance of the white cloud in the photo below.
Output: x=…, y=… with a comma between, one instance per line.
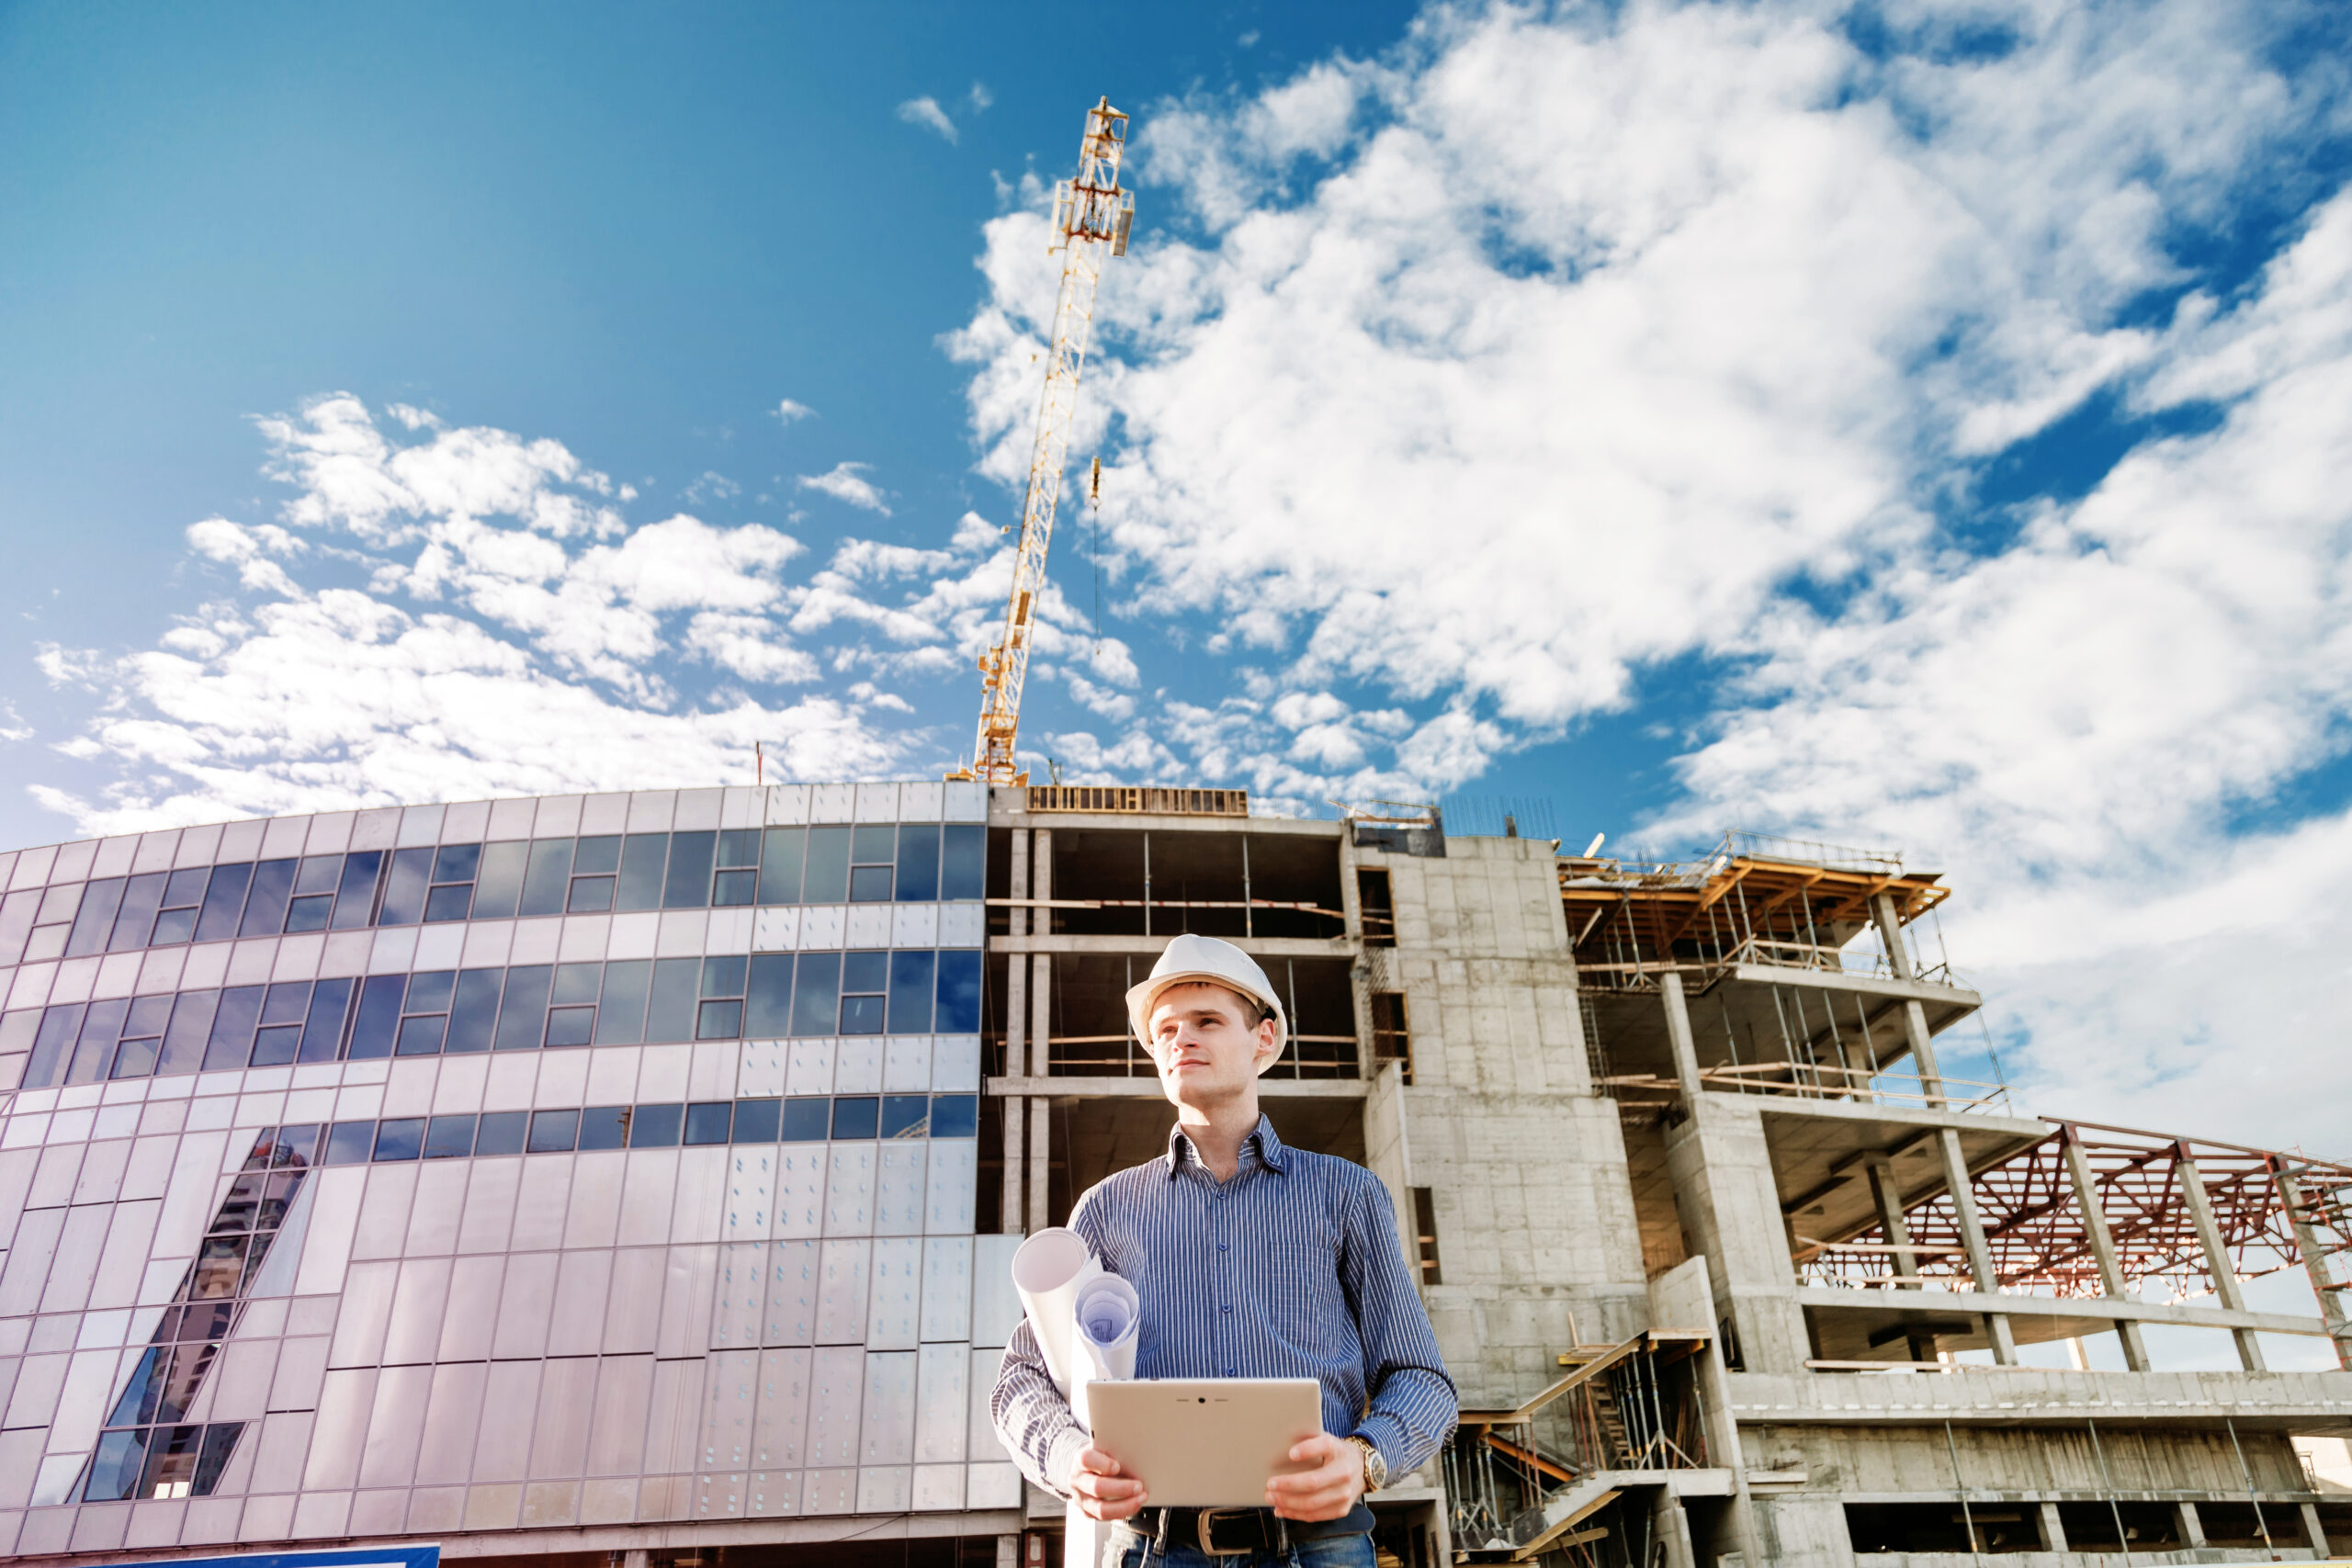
x=845, y=482
x=787, y=411
x=539, y=647
x=979, y=98
x=926, y=112
x=1553, y=349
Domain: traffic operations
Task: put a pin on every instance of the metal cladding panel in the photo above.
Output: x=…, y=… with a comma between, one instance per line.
x=941, y=1404
x=836, y=1392
x=793, y=1285
x=898, y=1188
x=440, y=1333
x=894, y=1312
x=843, y=1271
x=780, y=1425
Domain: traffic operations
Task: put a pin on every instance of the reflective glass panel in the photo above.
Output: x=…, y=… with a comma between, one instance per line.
x=570, y=1026
x=955, y=1115
x=873, y=843
x=553, y=1132
x=655, y=1126
x=918, y=862
x=767, y=1008
x=856, y=1116
x=807, y=1121
x=905, y=1115
x=958, y=1011
x=643, y=857
x=620, y=1018
x=522, y=1016
x=817, y=993
x=501, y=1132
x=402, y=1139
x=450, y=903
x=405, y=886
x=688, y=886
x=265, y=904
x=140, y=898
x=780, y=865
x=826, y=881
x=232, y=1028
x=963, y=861
x=348, y=1142
x=598, y=856
x=577, y=983
x=322, y=1025
x=473, y=1012
x=912, y=977
x=869, y=884
x=604, y=1127
x=456, y=863
x=354, y=895
x=756, y=1120
x=498, y=884
x=708, y=1123
x=862, y=1015
x=100, y=901
x=719, y=1020
x=590, y=895
x=448, y=1137
x=670, y=1016
x=549, y=879
x=318, y=874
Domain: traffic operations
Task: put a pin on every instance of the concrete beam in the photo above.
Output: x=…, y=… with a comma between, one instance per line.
x=1862, y=985
x=1165, y=822
x=1257, y=947
x=2094, y=1310
x=1148, y=1088
x=2217, y=1254
x=2110, y=1272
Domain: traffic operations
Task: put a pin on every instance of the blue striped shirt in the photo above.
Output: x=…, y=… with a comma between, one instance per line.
x=1290, y=1270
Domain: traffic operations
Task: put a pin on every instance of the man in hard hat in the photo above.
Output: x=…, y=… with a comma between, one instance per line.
x=1251, y=1260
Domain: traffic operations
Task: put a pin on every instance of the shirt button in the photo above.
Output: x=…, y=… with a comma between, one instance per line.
x=1231, y=1373
x=1229, y=1308
x=1220, y=1247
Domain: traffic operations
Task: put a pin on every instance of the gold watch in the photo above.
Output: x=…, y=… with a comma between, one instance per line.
x=1375, y=1469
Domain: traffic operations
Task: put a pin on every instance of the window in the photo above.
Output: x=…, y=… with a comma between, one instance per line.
x=500, y=1133
x=143, y=1037
x=143, y=897
x=424, y=1013
x=825, y=879
x=406, y=886
x=757, y=1120
x=721, y=1015
x=355, y=894
x=522, y=1011
x=963, y=861
x=865, y=981
x=595, y=865
x=817, y=994
x=572, y=1010
x=913, y=978
x=283, y=1009
x=176, y=913
x=451, y=897
x=1425, y=1233
x=959, y=992
x=315, y=878
x=709, y=1122
x=856, y=1116
x=1391, y=1041
x=688, y=884
x=546, y=877
x=620, y=1015
x=738, y=877
x=918, y=863
x=873, y=851
x=1375, y=908
x=780, y=858
x=94, y=919
x=553, y=1132
x=498, y=883
x=767, y=1003
x=643, y=856
x=448, y=1137
x=906, y=1115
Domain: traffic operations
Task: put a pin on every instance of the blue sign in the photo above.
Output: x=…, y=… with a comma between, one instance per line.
x=373, y=1557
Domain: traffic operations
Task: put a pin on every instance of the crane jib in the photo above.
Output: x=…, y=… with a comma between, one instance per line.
x=1092, y=216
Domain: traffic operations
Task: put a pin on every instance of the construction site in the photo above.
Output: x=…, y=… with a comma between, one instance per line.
x=631, y=1179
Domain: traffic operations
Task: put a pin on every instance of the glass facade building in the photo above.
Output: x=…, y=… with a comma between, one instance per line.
x=554, y=1163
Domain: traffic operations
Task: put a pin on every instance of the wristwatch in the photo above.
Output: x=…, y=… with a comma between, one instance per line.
x=1375, y=1469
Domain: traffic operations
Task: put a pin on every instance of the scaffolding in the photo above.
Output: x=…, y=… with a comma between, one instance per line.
x=1757, y=900
x=2154, y=1194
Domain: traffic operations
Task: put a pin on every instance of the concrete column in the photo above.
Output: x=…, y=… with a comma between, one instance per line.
x=636, y=1557
x=2217, y=1254
x=1890, y=935
x=1672, y=1530
x=2053, y=1529
x=1972, y=1237
x=2111, y=1270
x=1016, y=1186
x=2307, y=1242
x=1721, y=1165
x=2314, y=1533
x=1678, y=1034
x=1041, y=966
x=1016, y=973
x=2191, y=1528
x=1041, y=1165
x=1885, y=1192
x=1008, y=1551
x=1915, y=1018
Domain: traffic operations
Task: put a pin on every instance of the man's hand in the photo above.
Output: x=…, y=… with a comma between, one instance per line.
x=1104, y=1491
x=1326, y=1492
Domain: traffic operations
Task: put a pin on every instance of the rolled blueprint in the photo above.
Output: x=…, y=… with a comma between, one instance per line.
x=1109, y=1316
x=1049, y=1270
x=1086, y=1323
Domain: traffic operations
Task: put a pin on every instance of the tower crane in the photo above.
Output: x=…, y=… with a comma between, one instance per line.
x=1092, y=219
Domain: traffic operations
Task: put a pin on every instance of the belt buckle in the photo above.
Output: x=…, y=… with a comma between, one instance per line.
x=1205, y=1525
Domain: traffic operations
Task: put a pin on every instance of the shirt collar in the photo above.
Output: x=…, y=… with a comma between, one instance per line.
x=1269, y=1150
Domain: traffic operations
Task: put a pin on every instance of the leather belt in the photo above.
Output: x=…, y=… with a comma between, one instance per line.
x=1231, y=1532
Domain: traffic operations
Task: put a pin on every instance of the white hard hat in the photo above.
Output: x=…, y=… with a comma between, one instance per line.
x=1189, y=959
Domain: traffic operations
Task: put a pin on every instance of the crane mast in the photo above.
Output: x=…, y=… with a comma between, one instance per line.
x=1092, y=219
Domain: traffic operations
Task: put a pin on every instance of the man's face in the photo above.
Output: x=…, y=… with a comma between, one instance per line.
x=1202, y=1039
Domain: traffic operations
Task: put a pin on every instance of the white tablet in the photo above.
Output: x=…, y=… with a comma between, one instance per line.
x=1205, y=1442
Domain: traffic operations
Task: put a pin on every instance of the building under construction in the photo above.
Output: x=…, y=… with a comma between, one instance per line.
x=636, y=1176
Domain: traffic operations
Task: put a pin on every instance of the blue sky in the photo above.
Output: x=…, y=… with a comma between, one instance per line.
x=1916, y=424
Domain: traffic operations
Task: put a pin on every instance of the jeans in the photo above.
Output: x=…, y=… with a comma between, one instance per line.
x=1126, y=1550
